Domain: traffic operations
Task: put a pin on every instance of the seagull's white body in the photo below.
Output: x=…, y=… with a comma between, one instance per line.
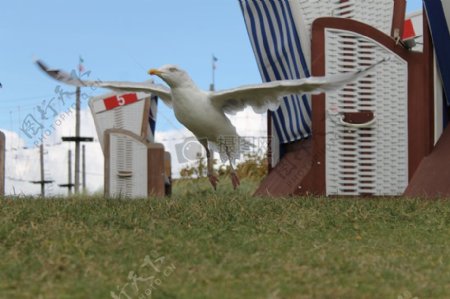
x=193, y=108
x=203, y=112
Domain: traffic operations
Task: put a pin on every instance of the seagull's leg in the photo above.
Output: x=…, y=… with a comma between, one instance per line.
x=213, y=179
x=234, y=178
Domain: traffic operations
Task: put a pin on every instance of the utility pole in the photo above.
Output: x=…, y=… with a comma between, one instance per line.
x=77, y=139
x=69, y=185
x=41, y=157
x=42, y=182
x=83, y=168
x=213, y=65
x=77, y=142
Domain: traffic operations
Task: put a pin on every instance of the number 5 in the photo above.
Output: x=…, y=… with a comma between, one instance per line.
x=120, y=100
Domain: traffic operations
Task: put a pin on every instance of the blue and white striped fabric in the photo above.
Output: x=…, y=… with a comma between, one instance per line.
x=278, y=50
x=438, y=13
x=152, y=117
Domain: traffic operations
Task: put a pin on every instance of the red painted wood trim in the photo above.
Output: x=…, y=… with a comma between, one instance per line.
x=269, y=141
x=398, y=18
x=432, y=179
x=428, y=52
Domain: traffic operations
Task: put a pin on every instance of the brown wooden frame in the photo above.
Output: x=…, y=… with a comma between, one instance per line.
x=420, y=97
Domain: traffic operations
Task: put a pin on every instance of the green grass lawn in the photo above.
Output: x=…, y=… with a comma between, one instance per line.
x=224, y=244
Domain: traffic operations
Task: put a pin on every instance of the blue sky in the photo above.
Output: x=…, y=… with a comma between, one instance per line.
x=119, y=40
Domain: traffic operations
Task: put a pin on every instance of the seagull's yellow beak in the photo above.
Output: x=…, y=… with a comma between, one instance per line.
x=154, y=72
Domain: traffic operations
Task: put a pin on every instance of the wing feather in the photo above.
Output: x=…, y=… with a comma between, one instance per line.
x=159, y=90
x=268, y=96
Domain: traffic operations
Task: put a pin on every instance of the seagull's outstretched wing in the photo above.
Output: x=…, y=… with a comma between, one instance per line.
x=267, y=96
x=159, y=90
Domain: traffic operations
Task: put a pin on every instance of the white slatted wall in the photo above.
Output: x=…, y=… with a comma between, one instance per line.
x=371, y=160
x=127, y=156
x=376, y=13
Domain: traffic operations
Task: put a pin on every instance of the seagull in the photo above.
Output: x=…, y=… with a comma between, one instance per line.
x=204, y=113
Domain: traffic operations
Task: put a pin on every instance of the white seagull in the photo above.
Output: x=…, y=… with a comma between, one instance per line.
x=204, y=112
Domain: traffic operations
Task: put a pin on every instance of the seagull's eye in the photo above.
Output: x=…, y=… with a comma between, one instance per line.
x=173, y=69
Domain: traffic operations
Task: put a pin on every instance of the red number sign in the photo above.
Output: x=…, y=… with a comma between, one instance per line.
x=121, y=100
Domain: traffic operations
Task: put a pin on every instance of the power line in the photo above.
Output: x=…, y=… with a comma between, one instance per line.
x=30, y=98
x=28, y=162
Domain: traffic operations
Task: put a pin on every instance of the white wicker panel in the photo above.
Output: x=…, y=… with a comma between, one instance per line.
x=374, y=159
x=377, y=13
x=127, y=155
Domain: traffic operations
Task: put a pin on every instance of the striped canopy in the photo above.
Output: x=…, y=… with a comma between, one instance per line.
x=438, y=13
x=278, y=48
